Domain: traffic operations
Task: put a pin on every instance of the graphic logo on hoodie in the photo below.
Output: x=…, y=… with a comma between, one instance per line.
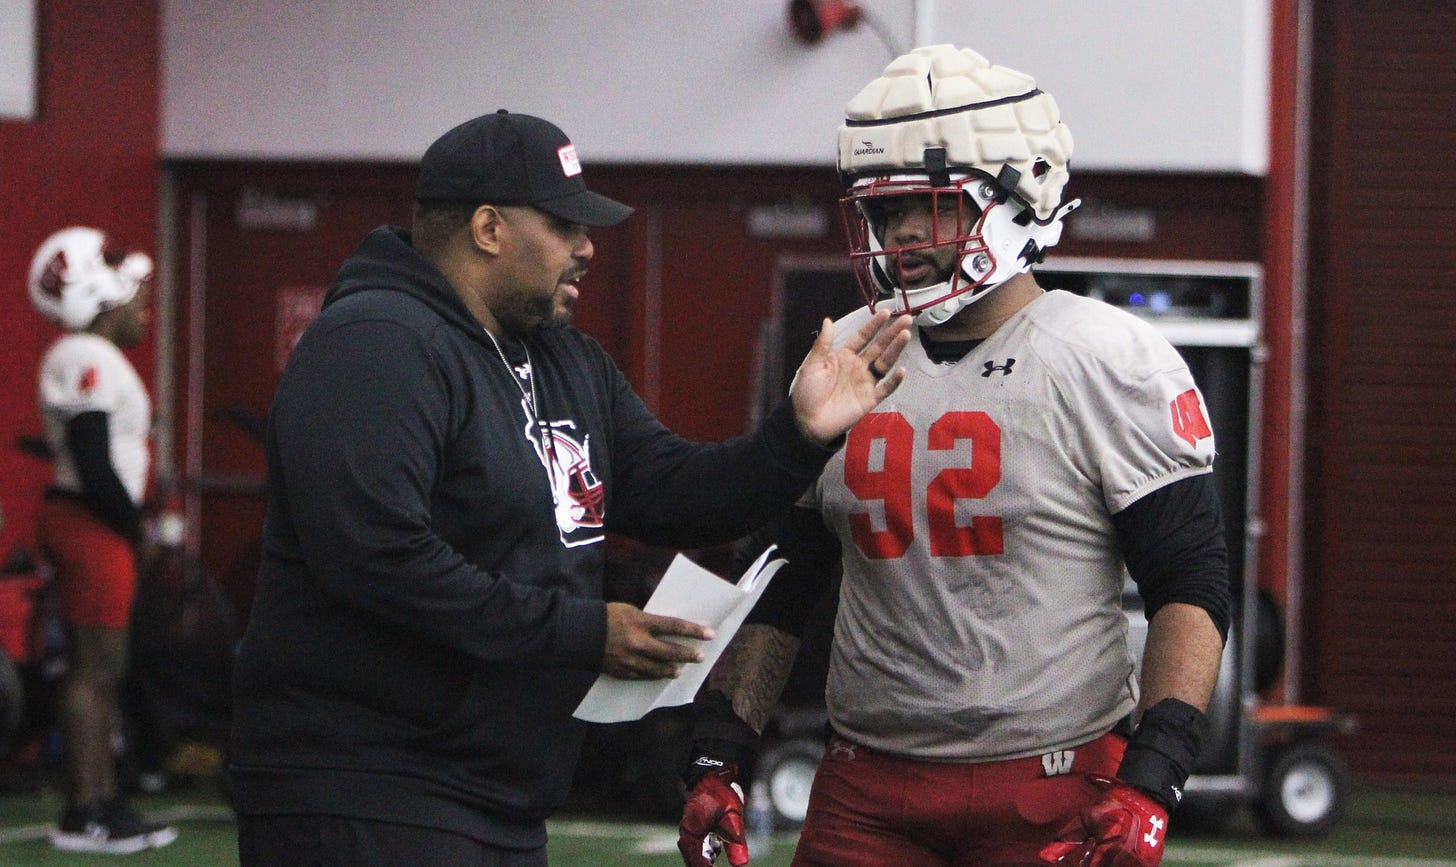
x=581, y=501
x=577, y=493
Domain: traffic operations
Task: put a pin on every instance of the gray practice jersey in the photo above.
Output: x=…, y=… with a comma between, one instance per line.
x=980, y=616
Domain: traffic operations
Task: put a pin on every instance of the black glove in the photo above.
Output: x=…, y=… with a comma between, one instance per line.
x=1162, y=751
x=713, y=813
x=719, y=738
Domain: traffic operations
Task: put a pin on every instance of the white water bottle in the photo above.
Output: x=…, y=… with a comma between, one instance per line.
x=759, y=818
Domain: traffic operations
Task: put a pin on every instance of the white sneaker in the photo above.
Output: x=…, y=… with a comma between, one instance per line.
x=108, y=828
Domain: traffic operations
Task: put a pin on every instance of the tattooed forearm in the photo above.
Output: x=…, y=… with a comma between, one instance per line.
x=753, y=669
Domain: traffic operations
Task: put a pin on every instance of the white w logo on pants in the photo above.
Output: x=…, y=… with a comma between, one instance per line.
x=1058, y=762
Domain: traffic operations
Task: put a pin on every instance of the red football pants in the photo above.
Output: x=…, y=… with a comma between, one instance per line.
x=868, y=809
x=94, y=566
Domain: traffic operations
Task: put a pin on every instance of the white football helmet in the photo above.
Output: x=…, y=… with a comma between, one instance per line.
x=943, y=121
x=78, y=273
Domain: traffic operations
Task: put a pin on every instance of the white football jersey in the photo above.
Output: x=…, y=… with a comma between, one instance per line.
x=980, y=614
x=82, y=372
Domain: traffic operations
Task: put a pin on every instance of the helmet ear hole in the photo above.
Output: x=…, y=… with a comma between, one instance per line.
x=1039, y=168
x=112, y=253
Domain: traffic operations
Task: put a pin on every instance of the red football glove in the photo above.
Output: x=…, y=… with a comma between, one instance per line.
x=713, y=821
x=1124, y=829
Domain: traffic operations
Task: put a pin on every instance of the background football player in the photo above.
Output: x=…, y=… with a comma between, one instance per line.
x=98, y=420
x=981, y=690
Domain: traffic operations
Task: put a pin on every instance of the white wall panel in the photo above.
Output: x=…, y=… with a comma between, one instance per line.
x=17, y=59
x=1144, y=85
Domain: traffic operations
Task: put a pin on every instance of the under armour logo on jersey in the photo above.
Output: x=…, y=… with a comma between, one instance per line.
x=841, y=749
x=1151, y=838
x=1188, y=421
x=991, y=367
x=1057, y=762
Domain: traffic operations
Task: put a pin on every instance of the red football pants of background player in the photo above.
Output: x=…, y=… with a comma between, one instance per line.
x=94, y=566
x=868, y=809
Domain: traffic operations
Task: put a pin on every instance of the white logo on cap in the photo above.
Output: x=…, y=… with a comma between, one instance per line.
x=569, y=162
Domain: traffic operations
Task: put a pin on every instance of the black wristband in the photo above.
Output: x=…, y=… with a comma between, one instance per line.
x=720, y=738
x=1162, y=751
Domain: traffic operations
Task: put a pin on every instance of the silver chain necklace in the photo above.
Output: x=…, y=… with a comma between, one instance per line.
x=528, y=396
x=529, y=405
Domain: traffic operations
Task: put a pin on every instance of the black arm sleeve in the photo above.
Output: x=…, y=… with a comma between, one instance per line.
x=88, y=438
x=813, y=557
x=1173, y=543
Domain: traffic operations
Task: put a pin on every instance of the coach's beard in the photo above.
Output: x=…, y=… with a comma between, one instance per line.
x=563, y=304
x=563, y=300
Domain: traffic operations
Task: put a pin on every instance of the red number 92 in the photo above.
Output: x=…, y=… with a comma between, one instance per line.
x=891, y=484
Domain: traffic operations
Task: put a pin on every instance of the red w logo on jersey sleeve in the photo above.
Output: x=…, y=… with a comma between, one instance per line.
x=87, y=382
x=1188, y=421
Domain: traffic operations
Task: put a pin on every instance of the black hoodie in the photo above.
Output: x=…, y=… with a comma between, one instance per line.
x=426, y=619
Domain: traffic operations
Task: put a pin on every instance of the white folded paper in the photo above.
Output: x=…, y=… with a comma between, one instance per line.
x=693, y=593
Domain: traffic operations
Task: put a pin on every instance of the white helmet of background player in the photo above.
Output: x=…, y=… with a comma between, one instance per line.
x=944, y=121
x=78, y=273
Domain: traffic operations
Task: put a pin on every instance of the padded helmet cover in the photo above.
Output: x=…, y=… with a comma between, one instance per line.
x=984, y=116
x=944, y=120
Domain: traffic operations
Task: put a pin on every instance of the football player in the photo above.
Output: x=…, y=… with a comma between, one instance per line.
x=983, y=702
x=98, y=421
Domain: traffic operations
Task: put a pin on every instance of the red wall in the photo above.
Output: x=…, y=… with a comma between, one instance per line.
x=89, y=157
x=1380, y=492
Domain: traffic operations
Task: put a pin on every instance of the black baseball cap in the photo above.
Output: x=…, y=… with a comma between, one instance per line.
x=513, y=159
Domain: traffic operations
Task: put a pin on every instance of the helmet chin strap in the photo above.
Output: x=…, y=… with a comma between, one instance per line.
x=939, y=314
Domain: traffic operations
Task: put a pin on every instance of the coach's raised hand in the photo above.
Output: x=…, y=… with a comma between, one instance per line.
x=837, y=385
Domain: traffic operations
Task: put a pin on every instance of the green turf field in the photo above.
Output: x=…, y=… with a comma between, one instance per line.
x=1384, y=828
